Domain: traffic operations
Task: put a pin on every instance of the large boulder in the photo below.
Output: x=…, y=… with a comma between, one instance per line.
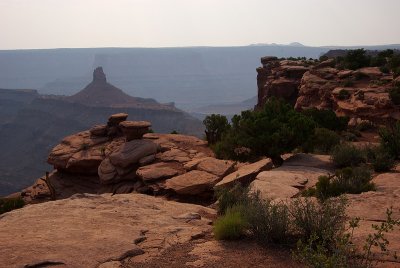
x=131, y=152
x=89, y=230
x=79, y=153
x=192, y=183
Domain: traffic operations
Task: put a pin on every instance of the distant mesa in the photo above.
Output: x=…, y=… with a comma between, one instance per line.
x=100, y=93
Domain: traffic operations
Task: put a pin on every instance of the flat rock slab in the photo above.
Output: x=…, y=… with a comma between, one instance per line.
x=371, y=208
x=280, y=184
x=245, y=174
x=157, y=171
x=288, y=177
x=388, y=183
x=271, y=190
x=192, y=183
x=301, y=173
x=215, y=166
x=88, y=230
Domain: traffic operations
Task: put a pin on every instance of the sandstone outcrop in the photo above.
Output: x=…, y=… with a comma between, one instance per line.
x=279, y=78
x=118, y=157
x=360, y=94
x=89, y=230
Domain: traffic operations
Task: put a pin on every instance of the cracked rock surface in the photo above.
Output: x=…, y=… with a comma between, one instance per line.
x=89, y=230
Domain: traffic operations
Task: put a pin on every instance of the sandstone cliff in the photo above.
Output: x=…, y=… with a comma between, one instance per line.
x=360, y=94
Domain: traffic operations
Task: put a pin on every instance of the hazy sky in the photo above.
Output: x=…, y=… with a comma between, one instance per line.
x=161, y=23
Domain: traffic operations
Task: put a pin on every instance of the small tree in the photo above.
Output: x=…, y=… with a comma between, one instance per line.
x=356, y=59
x=273, y=131
x=216, y=125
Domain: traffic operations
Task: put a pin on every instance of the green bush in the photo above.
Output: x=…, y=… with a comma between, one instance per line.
x=347, y=155
x=322, y=141
x=9, y=204
x=384, y=69
x=231, y=225
x=339, y=250
x=356, y=59
x=394, y=94
x=347, y=180
x=271, y=132
x=216, y=125
x=380, y=159
x=396, y=72
x=323, y=219
x=327, y=119
x=269, y=222
x=265, y=221
x=174, y=132
x=390, y=139
x=230, y=197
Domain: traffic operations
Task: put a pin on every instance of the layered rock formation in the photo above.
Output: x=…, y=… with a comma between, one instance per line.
x=361, y=94
x=118, y=157
x=279, y=78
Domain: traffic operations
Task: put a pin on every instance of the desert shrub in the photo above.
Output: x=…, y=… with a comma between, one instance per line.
x=174, y=132
x=396, y=72
x=323, y=58
x=394, y=61
x=229, y=197
x=271, y=132
x=380, y=159
x=390, y=139
x=356, y=59
x=347, y=180
x=323, y=219
x=231, y=225
x=9, y=204
x=216, y=125
x=327, y=119
x=269, y=222
x=384, y=69
x=394, y=94
x=347, y=155
x=343, y=94
x=322, y=141
x=341, y=250
x=264, y=220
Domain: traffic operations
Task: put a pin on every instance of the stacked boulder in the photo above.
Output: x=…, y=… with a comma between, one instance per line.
x=122, y=157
